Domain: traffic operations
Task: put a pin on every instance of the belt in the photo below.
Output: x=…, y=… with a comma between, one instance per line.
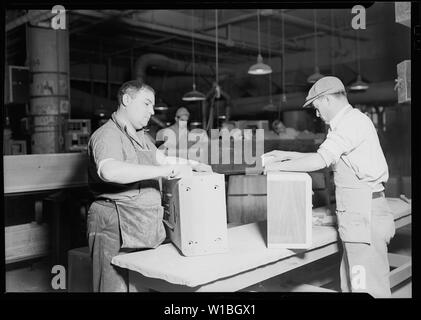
x=378, y=194
x=105, y=202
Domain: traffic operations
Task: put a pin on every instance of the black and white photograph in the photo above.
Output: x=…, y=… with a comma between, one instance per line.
x=253, y=149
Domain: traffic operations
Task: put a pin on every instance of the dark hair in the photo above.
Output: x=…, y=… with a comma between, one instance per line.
x=131, y=87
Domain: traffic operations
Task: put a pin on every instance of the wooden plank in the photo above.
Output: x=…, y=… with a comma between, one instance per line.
x=396, y=260
x=26, y=241
x=35, y=172
x=247, y=250
x=403, y=221
x=238, y=281
x=289, y=213
x=296, y=287
x=400, y=274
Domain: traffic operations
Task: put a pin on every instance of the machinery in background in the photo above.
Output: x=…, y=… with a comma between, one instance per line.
x=195, y=213
x=77, y=134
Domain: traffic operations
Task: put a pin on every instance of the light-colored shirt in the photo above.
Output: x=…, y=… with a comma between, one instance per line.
x=115, y=141
x=353, y=137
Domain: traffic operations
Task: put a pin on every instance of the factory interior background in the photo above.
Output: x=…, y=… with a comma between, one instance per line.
x=61, y=85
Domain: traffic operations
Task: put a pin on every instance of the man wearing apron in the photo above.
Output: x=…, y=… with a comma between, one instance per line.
x=124, y=171
x=365, y=222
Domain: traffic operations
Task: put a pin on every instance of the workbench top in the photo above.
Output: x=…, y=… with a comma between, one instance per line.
x=247, y=250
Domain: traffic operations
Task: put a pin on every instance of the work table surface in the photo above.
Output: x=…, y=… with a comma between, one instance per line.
x=247, y=250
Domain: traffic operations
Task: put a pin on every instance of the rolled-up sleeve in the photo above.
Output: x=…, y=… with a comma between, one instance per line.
x=104, y=147
x=340, y=141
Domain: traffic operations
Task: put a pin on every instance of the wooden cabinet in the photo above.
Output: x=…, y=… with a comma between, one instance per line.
x=289, y=210
x=195, y=213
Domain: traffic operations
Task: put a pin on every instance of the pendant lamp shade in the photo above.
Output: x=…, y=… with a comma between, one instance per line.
x=358, y=84
x=259, y=68
x=193, y=95
x=160, y=106
x=270, y=106
x=316, y=75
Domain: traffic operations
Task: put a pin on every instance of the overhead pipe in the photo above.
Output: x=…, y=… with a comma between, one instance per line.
x=175, y=31
x=287, y=17
x=163, y=62
x=380, y=94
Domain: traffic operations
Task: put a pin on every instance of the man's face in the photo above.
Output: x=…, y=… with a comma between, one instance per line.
x=321, y=105
x=140, y=108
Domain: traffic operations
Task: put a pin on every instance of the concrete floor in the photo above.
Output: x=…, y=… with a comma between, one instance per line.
x=37, y=276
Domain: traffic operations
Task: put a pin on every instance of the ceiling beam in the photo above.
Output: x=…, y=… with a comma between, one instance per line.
x=32, y=16
x=179, y=32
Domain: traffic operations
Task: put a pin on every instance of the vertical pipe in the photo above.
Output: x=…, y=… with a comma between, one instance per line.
x=48, y=60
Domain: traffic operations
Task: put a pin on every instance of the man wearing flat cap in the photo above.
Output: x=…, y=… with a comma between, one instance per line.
x=352, y=148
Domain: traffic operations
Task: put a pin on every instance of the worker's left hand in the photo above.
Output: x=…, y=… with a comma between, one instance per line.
x=201, y=167
x=275, y=156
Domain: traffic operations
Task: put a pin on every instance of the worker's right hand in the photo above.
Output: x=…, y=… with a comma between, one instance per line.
x=276, y=156
x=177, y=171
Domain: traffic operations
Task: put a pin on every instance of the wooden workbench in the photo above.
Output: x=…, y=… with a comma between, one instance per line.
x=247, y=262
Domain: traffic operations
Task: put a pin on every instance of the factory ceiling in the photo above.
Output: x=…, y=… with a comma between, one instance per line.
x=120, y=37
x=121, y=34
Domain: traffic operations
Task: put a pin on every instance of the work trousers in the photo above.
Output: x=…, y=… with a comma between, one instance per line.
x=104, y=243
x=365, y=267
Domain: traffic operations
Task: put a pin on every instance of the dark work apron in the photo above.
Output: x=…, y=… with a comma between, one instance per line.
x=140, y=217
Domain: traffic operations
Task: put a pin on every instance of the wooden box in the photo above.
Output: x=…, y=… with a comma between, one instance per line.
x=404, y=78
x=403, y=13
x=246, y=199
x=289, y=210
x=195, y=213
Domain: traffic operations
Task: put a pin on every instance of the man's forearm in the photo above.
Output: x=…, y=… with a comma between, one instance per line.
x=297, y=155
x=307, y=162
x=122, y=172
x=176, y=160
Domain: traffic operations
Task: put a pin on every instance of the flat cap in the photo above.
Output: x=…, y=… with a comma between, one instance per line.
x=324, y=86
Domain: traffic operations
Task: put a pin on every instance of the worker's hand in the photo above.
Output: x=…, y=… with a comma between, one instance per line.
x=178, y=171
x=276, y=156
x=202, y=167
x=273, y=166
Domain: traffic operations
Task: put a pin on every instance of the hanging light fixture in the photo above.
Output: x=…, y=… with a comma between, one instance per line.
x=193, y=95
x=161, y=105
x=270, y=106
x=259, y=68
x=283, y=97
x=332, y=52
x=359, y=84
x=316, y=75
